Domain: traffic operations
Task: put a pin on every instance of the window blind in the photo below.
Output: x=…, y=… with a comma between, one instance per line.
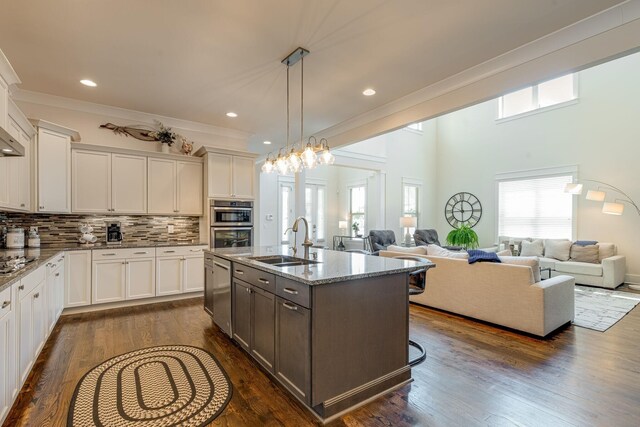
x=535, y=207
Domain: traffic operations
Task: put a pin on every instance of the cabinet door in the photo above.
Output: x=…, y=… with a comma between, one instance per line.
x=243, y=176
x=108, y=281
x=263, y=322
x=39, y=322
x=242, y=313
x=8, y=368
x=162, y=187
x=16, y=171
x=4, y=102
x=128, y=184
x=77, y=279
x=169, y=275
x=90, y=181
x=293, y=348
x=193, y=273
x=189, y=188
x=219, y=175
x=59, y=280
x=50, y=302
x=25, y=192
x=25, y=337
x=141, y=278
x=54, y=172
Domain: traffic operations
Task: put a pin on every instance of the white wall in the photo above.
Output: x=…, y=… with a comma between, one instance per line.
x=600, y=134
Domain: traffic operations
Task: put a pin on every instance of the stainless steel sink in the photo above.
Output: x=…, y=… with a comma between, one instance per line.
x=283, y=260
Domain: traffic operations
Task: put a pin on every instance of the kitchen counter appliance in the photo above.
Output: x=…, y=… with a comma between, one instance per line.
x=217, y=291
x=114, y=233
x=231, y=223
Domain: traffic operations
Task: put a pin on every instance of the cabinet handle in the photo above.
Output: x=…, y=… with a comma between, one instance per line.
x=6, y=304
x=109, y=254
x=22, y=205
x=57, y=274
x=61, y=259
x=196, y=250
x=169, y=252
x=21, y=288
x=290, y=291
x=248, y=290
x=36, y=295
x=238, y=271
x=53, y=266
x=290, y=306
x=265, y=281
x=140, y=253
x=41, y=207
x=123, y=263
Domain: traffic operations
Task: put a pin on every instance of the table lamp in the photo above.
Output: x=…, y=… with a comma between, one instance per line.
x=342, y=225
x=408, y=222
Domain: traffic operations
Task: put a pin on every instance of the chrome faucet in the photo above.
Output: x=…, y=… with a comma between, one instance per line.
x=307, y=243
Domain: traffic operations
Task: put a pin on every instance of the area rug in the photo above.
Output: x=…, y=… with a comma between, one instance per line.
x=600, y=309
x=156, y=386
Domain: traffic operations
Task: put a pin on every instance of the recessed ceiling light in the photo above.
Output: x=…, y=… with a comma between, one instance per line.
x=368, y=92
x=231, y=114
x=89, y=83
x=7, y=150
x=267, y=143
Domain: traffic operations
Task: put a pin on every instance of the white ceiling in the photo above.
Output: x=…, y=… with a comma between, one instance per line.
x=198, y=59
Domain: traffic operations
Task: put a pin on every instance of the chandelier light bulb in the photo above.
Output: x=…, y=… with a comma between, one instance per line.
x=309, y=157
x=268, y=166
x=282, y=165
x=295, y=163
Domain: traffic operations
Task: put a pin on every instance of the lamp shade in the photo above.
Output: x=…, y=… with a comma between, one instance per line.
x=596, y=195
x=573, y=188
x=613, y=208
x=408, y=221
x=342, y=224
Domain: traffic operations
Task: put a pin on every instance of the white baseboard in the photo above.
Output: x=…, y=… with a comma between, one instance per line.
x=633, y=279
x=130, y=303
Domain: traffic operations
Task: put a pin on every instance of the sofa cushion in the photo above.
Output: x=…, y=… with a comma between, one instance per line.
x=559, y=249
x=547, y=262
x=530, y=261
x=505, y=252
x=572, y=267
x=607, y=250
x=535, y=248
x=589, y=253
x=418, y=250
x=476, y=255
x=436, y=250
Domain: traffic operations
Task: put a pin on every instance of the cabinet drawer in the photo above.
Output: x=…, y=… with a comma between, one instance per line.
x=180, y=251
x=55, y=263
x=106, y=254
x=293, y=291
x=5, y=301
x=32, y=280
x=259, y=278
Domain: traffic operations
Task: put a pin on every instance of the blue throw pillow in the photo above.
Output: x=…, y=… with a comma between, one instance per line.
x=476, y=255
x=585, y=242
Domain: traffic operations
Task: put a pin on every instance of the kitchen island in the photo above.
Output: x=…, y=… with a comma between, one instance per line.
x=333, y=331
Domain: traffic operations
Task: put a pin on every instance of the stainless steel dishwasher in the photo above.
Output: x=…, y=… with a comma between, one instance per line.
x=217, y=291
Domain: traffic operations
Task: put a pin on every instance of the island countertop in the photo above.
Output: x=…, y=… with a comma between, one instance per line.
x=332, y=267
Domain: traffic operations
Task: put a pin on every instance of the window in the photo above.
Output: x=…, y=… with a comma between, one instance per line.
x=411, y=201
x=315, y=211
x=357, y=208
x=536, y=97
x=535, y=207
x=286, y=205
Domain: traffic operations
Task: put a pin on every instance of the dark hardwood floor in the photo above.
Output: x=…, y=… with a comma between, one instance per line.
x=475, y=374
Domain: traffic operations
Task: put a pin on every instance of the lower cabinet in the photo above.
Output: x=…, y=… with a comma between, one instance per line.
x=169, y=275
x=293, y=347
x=8, y=354
x=77, y=279
x=54, y=291
x=31, y=327
x=140, y=278
x=179, y=270
x=109, y=281
x=242, y=313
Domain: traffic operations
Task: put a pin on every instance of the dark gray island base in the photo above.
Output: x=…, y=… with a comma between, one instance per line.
x=335, y=334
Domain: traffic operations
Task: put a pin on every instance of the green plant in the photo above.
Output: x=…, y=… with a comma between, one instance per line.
x=355, y=228
x=463, y=236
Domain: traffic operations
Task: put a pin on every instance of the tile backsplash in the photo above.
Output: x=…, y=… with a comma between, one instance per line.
x=63, y=229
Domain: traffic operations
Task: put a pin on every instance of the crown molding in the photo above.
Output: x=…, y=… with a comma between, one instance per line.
x=7, y=72
x=44, y=124
x=125, y=114
x=411, y=108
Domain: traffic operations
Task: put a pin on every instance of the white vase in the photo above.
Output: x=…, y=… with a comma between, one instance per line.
x=164, y=148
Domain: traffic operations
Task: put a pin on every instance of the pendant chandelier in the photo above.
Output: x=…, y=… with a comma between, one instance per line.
x=306, y=156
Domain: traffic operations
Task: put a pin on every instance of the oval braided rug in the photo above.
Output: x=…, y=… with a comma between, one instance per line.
x=157, y=386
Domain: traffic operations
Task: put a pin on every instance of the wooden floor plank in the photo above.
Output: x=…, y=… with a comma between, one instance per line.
x=475, y=374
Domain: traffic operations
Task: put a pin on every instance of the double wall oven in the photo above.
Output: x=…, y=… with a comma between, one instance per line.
x=231, y=223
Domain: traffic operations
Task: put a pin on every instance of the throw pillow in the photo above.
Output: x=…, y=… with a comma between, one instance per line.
x=505, y=252
x=476, y=255
x=585, y=242
x=529, y=261
x=559, y=249
x=607, y=250
x=534, y=248
x=419, y=250
x=590, y=254
x=435, y=250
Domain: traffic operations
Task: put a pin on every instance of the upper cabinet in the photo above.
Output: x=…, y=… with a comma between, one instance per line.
x=229, y=174
x=175, y=187
x=53, y=167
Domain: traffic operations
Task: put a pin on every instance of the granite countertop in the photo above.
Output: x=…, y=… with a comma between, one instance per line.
x=334, y=266
x=46, y=252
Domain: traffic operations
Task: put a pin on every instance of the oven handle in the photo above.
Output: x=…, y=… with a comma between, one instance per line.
x=217, y=208
x=231, y=228
x=228, y=225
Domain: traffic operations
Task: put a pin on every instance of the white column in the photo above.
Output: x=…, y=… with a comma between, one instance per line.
x=299, y=210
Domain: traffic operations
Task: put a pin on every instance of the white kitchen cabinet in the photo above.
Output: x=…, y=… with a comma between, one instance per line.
x=31, y=327
x=54, y=171
x=77, y=279
x=54, y=290
x=15, y=172
x=4, y=101
x=140, y=278
x=189, y=188
x=169, y=275
x=179, y=269
x=230, y=176
x=162, y=186
x=128, y=184
x=109, y=281
x=90, y=181
x=8, y=354
x=193, y=273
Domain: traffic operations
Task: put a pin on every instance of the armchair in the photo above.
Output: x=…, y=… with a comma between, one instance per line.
x=426, y=237
x=380, y=239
